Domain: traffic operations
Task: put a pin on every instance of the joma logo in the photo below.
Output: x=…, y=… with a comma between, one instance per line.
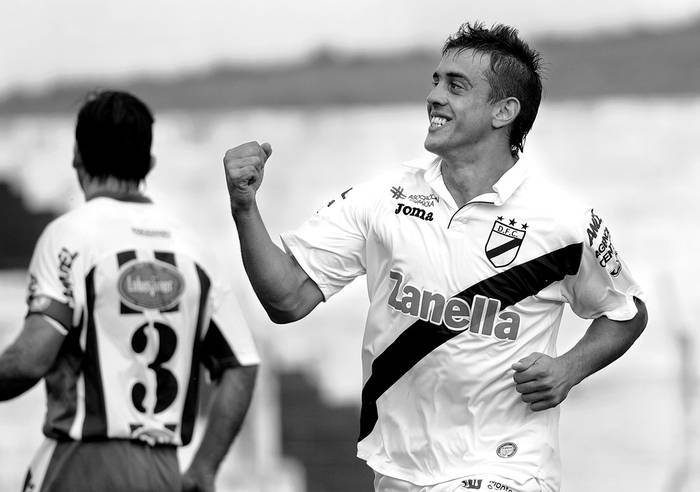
x=484, y=316
x=413, y=212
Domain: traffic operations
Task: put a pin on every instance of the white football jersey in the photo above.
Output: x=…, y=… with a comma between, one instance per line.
x=140, y=311
x=457, y=295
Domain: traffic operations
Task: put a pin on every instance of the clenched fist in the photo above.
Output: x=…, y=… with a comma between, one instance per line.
x=543, y=381
x=244, y=166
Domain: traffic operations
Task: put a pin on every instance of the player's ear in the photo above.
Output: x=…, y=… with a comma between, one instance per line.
x=505, y=111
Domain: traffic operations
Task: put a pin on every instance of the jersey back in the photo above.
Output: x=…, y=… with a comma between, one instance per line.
x=140, y=313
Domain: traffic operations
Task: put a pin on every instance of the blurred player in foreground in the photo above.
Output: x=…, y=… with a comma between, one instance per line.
x=121, y=312
x=470, y=260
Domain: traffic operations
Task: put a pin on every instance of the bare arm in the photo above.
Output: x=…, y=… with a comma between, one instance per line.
x=29, y=357
x=544, y=382
x=282, y=286
x=228, y=409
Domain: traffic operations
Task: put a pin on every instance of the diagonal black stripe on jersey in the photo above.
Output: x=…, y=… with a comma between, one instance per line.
x=492, y=253
x=422, y=337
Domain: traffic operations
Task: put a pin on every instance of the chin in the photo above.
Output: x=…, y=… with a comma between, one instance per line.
x=432, y=146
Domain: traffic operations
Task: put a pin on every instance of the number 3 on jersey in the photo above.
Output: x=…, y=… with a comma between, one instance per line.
x=151, y=285
x=166, y=383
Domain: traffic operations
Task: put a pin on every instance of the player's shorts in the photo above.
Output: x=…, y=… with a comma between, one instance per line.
x=477, y=483
x=107, y=466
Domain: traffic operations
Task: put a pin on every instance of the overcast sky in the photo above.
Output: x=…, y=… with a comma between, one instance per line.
x=45, y=40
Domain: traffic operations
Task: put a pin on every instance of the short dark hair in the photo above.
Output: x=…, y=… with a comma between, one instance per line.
x=515, y=71
x=113, y=133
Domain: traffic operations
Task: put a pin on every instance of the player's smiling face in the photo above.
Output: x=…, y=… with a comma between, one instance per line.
x=459, y=111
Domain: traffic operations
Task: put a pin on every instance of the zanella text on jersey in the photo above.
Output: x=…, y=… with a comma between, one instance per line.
x=483, y=316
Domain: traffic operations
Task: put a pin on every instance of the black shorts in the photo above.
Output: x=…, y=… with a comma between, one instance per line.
x=105, y=466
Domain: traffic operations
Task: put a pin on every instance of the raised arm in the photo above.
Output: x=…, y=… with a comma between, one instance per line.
x=282, y=286
x=544, y=381
x=30, y=356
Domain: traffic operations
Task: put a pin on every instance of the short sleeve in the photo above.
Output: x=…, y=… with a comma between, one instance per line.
x=603, y=285
x=228, y=341
x=331, y=245
x=51, y=289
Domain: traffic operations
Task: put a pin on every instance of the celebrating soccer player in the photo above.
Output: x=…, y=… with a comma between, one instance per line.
x=470, y=260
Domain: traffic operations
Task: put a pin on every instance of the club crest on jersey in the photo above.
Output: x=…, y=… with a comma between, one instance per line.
x=504, y=241
x=150, y=285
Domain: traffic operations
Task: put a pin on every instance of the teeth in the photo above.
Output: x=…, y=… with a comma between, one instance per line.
x=437, y=121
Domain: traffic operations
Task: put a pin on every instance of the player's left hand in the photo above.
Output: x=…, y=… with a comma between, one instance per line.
x=542, y=381
x=196, y=480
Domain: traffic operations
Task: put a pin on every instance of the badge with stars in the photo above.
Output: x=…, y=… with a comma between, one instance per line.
x=504, y=241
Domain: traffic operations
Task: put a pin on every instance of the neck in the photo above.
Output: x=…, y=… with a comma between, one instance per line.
x=112, y=187
x=469, y=175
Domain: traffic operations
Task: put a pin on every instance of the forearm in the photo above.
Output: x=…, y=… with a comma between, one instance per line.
x=15, y=378
x=604, y=342
x=283, y=288
x=228, y=409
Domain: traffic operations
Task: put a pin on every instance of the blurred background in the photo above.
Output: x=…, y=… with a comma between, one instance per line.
x=338, y=88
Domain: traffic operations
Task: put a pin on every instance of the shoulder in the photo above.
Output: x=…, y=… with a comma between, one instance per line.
x=565, y=210
x=72, y=226
x=398, y=176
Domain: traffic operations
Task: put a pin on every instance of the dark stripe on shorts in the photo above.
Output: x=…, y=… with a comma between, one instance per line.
x=189, y=411
x=95, y=425
x=422, y=337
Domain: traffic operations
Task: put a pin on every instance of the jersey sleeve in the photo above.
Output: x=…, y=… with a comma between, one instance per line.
x=604, y=285
x=331, y=245
x=51, y=289
x=228, y=341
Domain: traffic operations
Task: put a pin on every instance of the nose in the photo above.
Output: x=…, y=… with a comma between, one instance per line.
x=436, y=96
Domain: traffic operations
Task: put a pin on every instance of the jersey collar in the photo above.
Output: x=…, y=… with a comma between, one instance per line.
x=510, y=181
x=503, y=189
x=122, y=197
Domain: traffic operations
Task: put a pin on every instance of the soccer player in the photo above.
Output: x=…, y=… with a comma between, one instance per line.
x=470, y=260
x=121, y=312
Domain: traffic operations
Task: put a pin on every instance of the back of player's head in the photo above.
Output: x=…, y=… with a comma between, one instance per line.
x=515, y=71
x=113, y=134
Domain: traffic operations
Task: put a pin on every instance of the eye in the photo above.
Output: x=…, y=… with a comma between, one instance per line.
x=456, y=87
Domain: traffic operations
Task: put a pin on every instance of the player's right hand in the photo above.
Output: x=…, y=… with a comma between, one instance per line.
x=244, y=167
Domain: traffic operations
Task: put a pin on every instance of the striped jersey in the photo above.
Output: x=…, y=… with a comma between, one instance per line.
x=457, y=295
x=129, y=288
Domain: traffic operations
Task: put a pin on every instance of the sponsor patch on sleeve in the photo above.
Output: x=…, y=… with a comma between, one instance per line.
x=600, y=242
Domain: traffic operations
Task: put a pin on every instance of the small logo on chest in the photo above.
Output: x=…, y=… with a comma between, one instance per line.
x=504, y=241
x=413, y=212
